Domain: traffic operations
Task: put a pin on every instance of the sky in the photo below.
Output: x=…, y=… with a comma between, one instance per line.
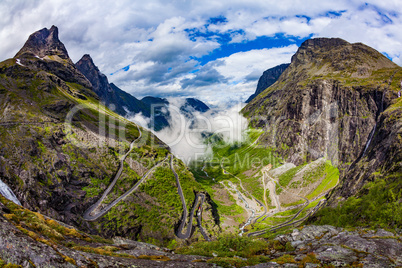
x=211, y=50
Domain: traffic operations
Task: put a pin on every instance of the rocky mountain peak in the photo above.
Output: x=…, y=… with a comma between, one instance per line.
x=98, y=80
x=87, y=61
x=323, y=43
x=44, y=43
x=312, y=49
x=338, y=55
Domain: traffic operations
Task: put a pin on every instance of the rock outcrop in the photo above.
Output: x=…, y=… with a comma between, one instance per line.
x=44, y=242
x=268, y=78
x=327, y=245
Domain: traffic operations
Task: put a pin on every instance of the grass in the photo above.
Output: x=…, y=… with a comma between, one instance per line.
x=379, y=207
x=236, y=251
x=155, y=207
x=237, y=158
x=330, y=180
x=53, y=234
x=286, y=177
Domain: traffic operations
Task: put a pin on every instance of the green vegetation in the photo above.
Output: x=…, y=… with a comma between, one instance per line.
x=330, y=180
x=240, y=161
x=380, y=207
x=3, y=264
x=286, y=177
x=160, y=211
x=233, y=250
x=53, y=234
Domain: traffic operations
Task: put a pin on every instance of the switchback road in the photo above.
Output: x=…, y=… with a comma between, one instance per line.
x=199, y=199
x=91, y=214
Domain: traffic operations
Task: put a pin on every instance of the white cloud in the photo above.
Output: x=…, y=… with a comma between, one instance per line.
x=151, y=36
x=184, y=136
x=241, y=64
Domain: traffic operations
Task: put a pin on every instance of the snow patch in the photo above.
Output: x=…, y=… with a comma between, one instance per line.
x=18, y=61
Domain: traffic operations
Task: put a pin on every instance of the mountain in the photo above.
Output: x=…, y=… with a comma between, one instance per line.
x=160, y=108
x=44, y=51
x=154, y=100
x=123, y=102
x=338, y=101
x=45, y=43
x=195, y=104
x=60, y=149
x=328, y=131
x=268, y=78
x=190, y=104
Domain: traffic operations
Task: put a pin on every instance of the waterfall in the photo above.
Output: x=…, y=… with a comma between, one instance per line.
x=8, y=193
x=369, y=139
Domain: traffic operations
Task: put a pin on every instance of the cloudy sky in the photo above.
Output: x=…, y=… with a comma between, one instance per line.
x=213, y=50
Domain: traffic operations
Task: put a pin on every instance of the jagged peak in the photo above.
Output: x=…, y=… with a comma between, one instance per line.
x=98, y=80
x=86, y=57
x=45, y=42
x=86, y=62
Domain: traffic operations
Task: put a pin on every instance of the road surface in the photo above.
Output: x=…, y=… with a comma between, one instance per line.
x=199, y=199
x=92, y=215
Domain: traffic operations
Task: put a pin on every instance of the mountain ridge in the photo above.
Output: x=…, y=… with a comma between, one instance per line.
x=123, y=102
x=269, y=77
x=66, y=147
x=334, y=101
x=126, y=104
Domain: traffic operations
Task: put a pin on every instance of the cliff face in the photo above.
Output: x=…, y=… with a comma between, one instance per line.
x=268, y=78
x=381, y=157
x=326, y=102
x=335, y=100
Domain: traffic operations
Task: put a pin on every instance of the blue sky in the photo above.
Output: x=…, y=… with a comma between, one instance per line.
x=211, y=50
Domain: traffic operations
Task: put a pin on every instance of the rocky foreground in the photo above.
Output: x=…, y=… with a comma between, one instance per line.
x=29, y=239
x=328, y=246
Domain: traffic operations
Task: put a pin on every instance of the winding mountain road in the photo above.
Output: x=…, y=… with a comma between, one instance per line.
x=199, y=198
x=289, y=222
x=92, y=215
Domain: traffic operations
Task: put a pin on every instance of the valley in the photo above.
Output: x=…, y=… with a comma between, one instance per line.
x=316, y=167
x=284, y=194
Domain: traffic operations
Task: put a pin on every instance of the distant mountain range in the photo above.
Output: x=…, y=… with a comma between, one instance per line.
x=324, y=146
x=126, y=104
